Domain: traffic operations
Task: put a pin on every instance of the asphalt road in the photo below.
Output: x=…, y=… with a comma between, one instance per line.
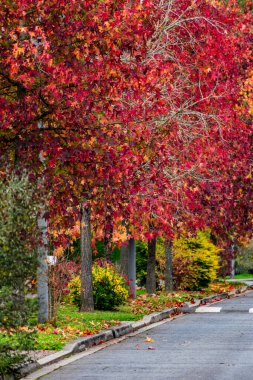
x=206, y=346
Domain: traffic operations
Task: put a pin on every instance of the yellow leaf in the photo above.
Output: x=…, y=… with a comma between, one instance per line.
x=77, y=53
x=18, y=51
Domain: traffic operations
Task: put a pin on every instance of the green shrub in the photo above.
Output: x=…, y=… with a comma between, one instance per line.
x=195, y=262
x=18, y=263
x=13, y=347
x=141, y=262
x=244, y=259
x=109, y=288
x=73, y=252
x=74, y=287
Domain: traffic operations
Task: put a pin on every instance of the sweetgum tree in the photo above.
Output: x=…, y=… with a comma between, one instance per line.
x=66, y=66
x=199, y=92
x=128, y=97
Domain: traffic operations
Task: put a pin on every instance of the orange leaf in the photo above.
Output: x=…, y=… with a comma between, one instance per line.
x=150, y=340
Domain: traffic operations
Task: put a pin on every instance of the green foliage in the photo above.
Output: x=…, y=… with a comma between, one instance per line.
x=71, y=324
x=141, y=262
x=98, y=252
x=195, y=261
x=12, y=351
x=244, y=259
x=9, y=364
x=109, y=288
x=142, y=258
x=74, y=287
x=18, y=241
x=243, y=276
x=18, y=233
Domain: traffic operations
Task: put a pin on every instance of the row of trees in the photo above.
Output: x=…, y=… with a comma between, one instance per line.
x=141, y=112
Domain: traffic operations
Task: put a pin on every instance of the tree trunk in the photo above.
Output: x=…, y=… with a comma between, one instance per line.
x=43, y=307
x=87, y=303
x=232, y=273
x=168, y=266
x=108, y=234
x=151, y=265
x=128, y=265
x=52, y=294
x=42, y=272
x=124, y=251
x=132, y=267
x=232, y=262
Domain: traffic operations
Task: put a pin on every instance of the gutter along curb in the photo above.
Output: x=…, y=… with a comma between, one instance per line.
x=83, y=344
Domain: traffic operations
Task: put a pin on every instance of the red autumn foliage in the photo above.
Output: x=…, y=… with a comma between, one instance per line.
x=133, y=107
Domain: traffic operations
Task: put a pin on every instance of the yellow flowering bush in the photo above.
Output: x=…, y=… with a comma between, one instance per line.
x=195, y=261
x=109, y=287
x=74, y=287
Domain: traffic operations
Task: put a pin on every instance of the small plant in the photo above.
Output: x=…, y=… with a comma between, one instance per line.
x=58, y=278
x=195, y=262
x=74, y=287
x=109, y=287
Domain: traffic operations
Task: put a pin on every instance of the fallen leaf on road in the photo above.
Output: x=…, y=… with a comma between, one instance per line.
x=150, y=340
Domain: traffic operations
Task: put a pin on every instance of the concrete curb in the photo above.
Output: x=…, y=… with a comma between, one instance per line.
x=188, y=307
x=82, y=344
x=124, y=329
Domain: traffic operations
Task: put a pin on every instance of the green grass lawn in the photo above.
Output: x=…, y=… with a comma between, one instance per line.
x=140, y=291
x=71, y=323
x=242, y=275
